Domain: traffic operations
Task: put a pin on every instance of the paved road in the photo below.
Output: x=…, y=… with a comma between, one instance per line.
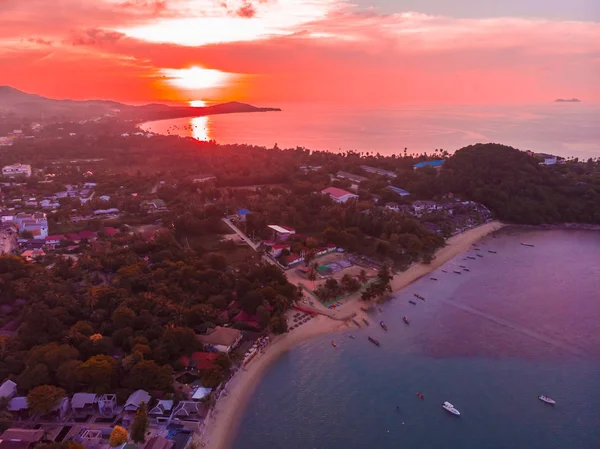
x=243, y=236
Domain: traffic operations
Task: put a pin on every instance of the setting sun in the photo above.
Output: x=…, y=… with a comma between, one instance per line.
x=197, y=78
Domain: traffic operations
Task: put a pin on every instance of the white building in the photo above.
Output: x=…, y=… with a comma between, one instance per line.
x=339, y=195
x=16, y=170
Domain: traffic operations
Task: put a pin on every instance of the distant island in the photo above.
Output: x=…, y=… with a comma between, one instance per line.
x=32, y=106
x=572, y=100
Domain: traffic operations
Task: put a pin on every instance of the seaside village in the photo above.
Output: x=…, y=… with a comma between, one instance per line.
x=49, y=221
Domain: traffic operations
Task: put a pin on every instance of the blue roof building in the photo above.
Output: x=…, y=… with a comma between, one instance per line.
x=243, y=212
x=435, y=164
x=398, y=190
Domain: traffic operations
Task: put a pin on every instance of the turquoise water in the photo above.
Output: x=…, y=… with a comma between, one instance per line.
x=520, y=323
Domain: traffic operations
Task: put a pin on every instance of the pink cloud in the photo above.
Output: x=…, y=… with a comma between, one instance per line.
x=325, y=52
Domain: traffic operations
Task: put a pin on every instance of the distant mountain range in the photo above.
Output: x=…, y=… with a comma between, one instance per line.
x=572, y=100
x=32, y=106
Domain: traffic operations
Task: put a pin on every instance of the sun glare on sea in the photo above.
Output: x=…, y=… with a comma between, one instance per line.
x=200, y=128
x=200, y=125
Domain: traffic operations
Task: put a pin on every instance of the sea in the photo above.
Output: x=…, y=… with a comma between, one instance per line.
x=521, y=322
x=565, y=129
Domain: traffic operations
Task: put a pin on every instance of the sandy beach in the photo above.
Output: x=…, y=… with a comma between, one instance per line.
x=222, y=426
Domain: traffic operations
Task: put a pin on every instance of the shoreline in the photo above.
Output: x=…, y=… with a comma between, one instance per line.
x=225, y=418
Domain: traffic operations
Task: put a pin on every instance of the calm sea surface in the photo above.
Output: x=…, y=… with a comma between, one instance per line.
x=522, y=322
x=569, y=129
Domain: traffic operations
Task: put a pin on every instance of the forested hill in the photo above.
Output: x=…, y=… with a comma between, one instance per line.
x=517, y=189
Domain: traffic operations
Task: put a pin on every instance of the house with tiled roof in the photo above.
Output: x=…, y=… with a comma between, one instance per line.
x=222, y=339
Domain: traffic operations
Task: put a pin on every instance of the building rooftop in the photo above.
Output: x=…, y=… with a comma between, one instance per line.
x=221, y=336
x=159, y=442
x=28, y=435
x=199, y=360
x=17, y=404
x=281, y=229
x=80, y=400
x=136, y=399
x=336, y=192
x=436, y=163
x=398, y=190
x=8, y=389
x=351, y=176
x=243, y=212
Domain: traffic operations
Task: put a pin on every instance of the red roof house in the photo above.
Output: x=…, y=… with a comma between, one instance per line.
x=89, y=235
x=109, y=231
x=339, y=195
x=199, y=360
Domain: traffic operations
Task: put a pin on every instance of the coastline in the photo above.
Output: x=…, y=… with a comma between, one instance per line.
x=225, y=417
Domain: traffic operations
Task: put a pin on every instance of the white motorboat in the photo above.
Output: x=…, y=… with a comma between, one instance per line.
x=546, y=399
x=449, y=407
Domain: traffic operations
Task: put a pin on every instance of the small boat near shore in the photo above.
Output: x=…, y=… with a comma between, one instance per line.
x=375, y=342
x=466, y=269
x=471, y=257
x=352, y=336
x=356, y=322
x=449, y=407
x=528, y=244
x=479, y=255
x=546, y=399
x=366, y=322
x=383, y=325
x=334, y=344
x=458, y=272
x=364, y=309
x=444, y=271
x=412, y=302
x=405, y=320
x=434, y=279
x=420, y=396
x=491, y=251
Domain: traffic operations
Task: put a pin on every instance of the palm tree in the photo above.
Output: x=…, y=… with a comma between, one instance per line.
x=312, y=274
x=362, y=276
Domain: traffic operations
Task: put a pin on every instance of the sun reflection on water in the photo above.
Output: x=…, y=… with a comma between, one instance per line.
x=200, y=126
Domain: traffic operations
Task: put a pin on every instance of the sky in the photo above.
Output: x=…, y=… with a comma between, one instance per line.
x=271, y=52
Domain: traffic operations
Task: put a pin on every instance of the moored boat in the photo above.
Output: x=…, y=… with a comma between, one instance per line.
x=383, y=325
x=444, y=271
x=356, y=322
x=405, y=320
x=449, y=407
x=334, y=344
x=491, y=251
x=479, y=255
x=458, y=272
x=420, y=396
x=412, y=302
x=351, y=336
x=466, y=269
x=375, y=342
x=471, y=257
x=366, y=322
x=433, y=279
x=546, y=399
